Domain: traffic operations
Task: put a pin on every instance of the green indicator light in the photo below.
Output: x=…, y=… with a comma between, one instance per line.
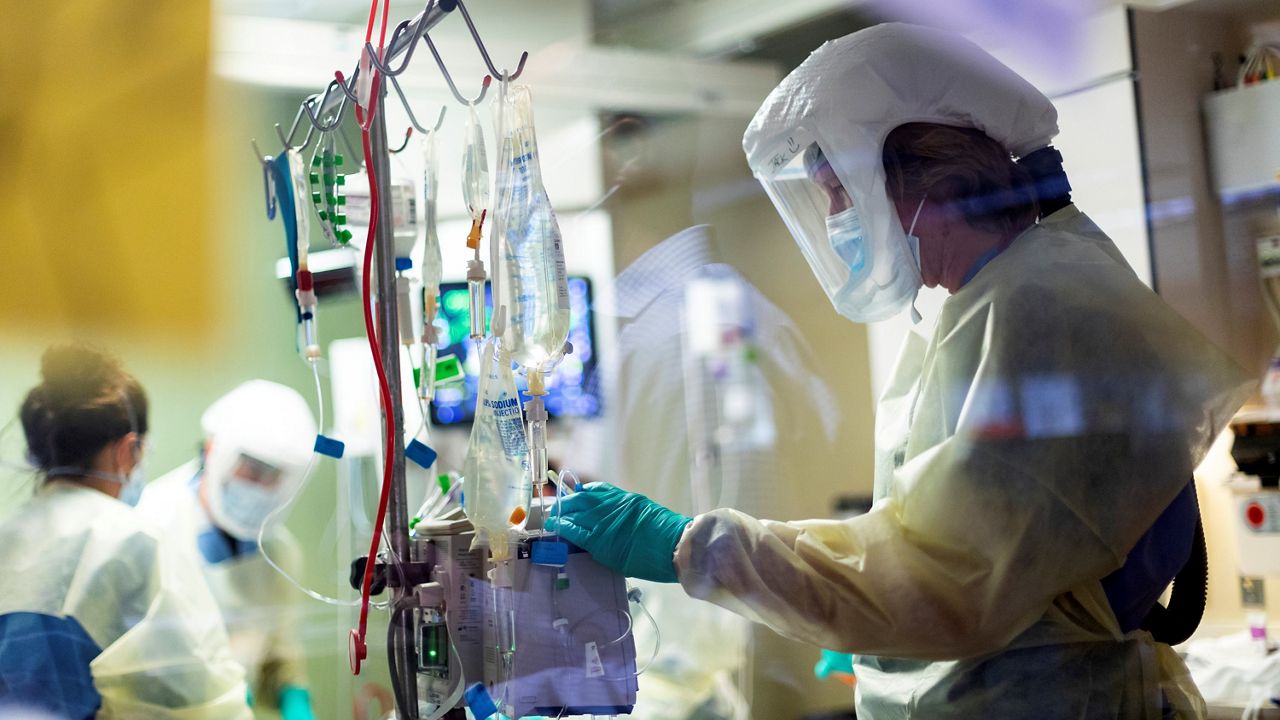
x=456, y=301
x=448, y=369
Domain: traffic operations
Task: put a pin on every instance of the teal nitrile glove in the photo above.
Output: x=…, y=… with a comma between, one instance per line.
x=833, y=662
x=624, y=531
x=295, y=703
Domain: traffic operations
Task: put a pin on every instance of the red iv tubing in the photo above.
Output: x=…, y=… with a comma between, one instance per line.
x=359, y=649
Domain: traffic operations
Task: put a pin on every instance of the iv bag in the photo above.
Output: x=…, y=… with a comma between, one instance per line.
x=432, y=264
x=496, y=469
x=475, y=167
x=530, y=272
x=301, y=192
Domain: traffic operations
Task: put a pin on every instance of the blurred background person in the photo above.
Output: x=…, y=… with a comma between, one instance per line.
x=257, y=447
x=97, y=616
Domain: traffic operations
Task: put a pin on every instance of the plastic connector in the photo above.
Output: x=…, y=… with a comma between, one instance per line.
x=306, y=293
x=430, y=595
x=479, y=702
x=477, y=229
x=330, y=447
x=357, y=651
x=549, y=552
x=420, y=453
x=364, y=83
x=404, y=309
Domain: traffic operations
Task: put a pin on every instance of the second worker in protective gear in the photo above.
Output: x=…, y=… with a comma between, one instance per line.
x=100, y=617
x=258, y=443
x=1034, y=453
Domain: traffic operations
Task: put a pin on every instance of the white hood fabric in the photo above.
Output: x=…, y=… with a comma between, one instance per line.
x=268, y=422
x=847, y=96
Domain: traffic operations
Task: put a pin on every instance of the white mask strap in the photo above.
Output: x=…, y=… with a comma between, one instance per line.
x=916, y=317
x=916, y=217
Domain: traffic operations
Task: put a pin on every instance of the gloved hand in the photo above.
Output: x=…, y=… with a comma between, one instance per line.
x=295, y=703
x=624, y=531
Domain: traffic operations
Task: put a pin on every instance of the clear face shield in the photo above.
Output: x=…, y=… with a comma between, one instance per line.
x=852, y=240
x=244, y=489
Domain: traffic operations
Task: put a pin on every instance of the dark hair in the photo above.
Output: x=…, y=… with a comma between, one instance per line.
x=961, y=166
x=84, y=401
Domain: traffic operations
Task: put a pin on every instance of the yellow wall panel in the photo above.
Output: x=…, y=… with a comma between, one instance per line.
x=104, y=185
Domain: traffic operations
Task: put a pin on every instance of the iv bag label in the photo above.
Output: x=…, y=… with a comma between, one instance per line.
x=562, y=285
x=510, y=423
x=593, y=664
x=1269, y=256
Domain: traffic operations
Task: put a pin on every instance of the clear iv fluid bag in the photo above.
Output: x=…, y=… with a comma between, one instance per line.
x=475, y=167
x=531, y=272
x=301, y=207
x=432, y=264
x=496, y=467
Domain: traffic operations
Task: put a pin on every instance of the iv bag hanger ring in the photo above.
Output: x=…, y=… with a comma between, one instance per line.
x=453, y=88
x=418, y=29
x=408, y=133
x=404, y=100
x=484, y=53
x=267, y=195
x=314, y=118
x=345, y=86
x=287, y=140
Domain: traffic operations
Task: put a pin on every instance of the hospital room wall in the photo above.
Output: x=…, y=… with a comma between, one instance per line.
x=1203, y=254
x=693, y=171
x=251, y=335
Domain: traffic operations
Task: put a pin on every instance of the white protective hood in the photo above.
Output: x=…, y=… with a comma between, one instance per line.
x=848, y=95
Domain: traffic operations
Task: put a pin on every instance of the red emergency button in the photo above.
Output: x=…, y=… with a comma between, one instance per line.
x=1255, y=515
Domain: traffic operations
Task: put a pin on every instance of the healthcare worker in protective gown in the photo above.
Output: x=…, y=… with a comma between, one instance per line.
x=1033, y=455
x=258, y=441
x=98, y=617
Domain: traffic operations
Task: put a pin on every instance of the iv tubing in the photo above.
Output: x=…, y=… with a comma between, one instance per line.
x=383, y=387
x=306, y=476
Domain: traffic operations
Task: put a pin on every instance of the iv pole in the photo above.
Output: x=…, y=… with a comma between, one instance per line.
x=403, y=41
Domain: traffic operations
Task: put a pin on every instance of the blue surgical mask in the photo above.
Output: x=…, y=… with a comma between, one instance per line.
x=132, y=489
x=131, y=485
x=844, y=230
x=245, y=506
